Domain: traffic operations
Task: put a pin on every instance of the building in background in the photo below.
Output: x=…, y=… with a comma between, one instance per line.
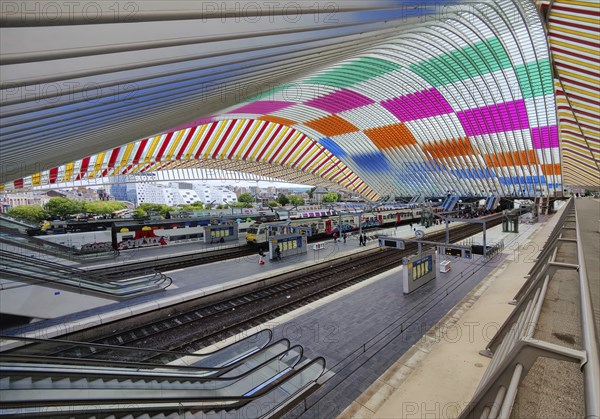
x=216, y=194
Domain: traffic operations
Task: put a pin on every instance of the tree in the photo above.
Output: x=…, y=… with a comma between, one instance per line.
x=311, y=191
x=139, y=213
x=282, y=199
x=63, y=207
x=160, y=208
x=273, y=204
x=103, y=207
x=246, y=197
x=331, y=197
x=296, y=200
x=28, y=213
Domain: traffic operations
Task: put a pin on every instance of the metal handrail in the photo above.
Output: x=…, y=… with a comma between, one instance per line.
x=514, y=348
x=591, y=369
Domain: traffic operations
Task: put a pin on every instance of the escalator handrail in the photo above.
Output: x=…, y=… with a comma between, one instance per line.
x=108, y=346
x=53, y=370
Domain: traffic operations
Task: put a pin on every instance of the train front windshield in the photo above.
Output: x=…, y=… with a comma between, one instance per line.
x=252, y=230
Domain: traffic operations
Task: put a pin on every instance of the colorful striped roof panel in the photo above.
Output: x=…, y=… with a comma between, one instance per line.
x=464, y=101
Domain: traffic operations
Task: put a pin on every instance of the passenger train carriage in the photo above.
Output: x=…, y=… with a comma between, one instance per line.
x=324, y=226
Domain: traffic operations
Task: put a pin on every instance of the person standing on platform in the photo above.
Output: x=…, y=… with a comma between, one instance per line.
x=261, y=255
x=277, y=253
x=344, y=237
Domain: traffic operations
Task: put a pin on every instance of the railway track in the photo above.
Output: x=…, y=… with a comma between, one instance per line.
x=196, y=325
x=176, y=262
x=183, y=261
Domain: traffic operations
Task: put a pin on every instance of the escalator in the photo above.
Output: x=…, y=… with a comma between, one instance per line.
x=274, y=372
x=21, y=268
x=14, y=233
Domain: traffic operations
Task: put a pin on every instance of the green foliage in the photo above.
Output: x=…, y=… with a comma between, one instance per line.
x=103, y=207
x=282, y=199
x=331, y=197
x=222, y=206
x=311, y=191
x=194, y=206
x=28, y=213
x=64, y=207
x=139, y=213
x=241, y=205
x=296, y=200
x=160, y=208
x=245, y=197
x=273, y=203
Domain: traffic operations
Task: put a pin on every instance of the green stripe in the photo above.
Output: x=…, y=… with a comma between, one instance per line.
x=535, y=78
x=465, y=63
x=357, y=71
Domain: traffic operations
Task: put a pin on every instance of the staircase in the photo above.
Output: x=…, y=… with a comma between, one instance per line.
x=450, y=202
x=491, y=202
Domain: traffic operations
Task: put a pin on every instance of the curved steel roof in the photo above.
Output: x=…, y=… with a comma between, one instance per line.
x=574, y=34
x=458, y=97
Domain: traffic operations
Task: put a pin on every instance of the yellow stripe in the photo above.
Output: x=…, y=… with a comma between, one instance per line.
x=98, y=163
x=580, y=3
x=573, y=46
x=298, y=151
x=591, y=80
x=232, y=138
x=585, y=92
x=195, y=141
x=174, y=145
x=271, y=153
x=284, y=151
x=36, y=179
x=575, y=61
x=585, y=35
x=215, y=137
x=317, y=162
x=150, y=152
x=249, y=137
x=69, y=168
x=576, y=17
x=126, y=154
x=306, y=159
x=262, y=140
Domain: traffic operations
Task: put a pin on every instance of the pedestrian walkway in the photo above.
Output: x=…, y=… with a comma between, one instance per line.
x=438, y=376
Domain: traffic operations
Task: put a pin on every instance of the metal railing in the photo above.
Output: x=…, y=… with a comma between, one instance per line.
x=514, y=350
x=18, y=267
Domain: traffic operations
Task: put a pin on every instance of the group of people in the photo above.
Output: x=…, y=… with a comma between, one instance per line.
x=362, y=239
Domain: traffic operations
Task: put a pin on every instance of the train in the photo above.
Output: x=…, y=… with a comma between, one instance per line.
x=325, y=225
x=136, y=234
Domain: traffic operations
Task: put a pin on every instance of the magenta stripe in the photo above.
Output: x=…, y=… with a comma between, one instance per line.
x=419, y=105
x=544, y=137
x=339, y=101
x=262, y=107
x=508, y=116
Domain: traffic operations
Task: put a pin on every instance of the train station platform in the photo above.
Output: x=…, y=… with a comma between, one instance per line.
x=437, y=377
x=364, y=330
x=65, y=312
